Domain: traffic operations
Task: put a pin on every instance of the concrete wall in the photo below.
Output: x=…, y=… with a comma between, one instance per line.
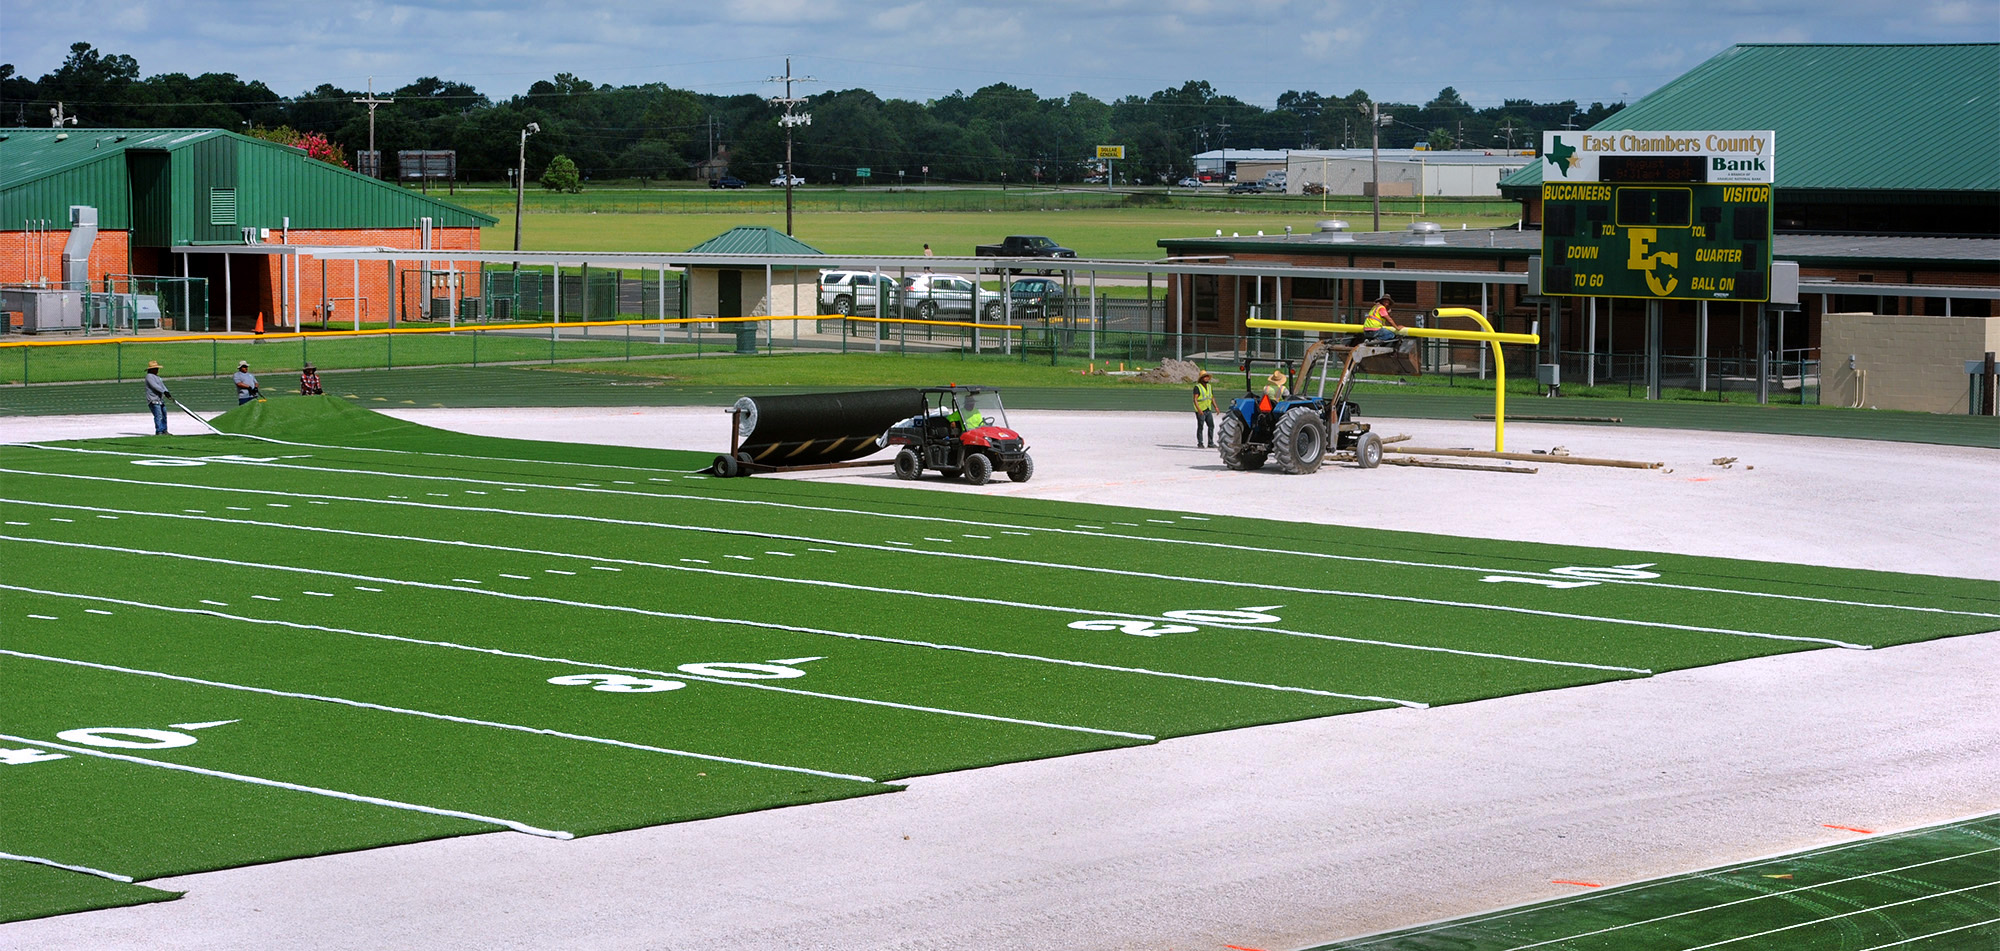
x=1349, y=176
x=1900, y=361
x=791, y=293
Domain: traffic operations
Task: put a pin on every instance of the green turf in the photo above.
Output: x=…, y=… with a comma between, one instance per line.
x=1935, y=888
x=31, y=890
x=572, y=639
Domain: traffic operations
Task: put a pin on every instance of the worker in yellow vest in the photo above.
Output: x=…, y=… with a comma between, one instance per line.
x=1379, y=326
x=1204, y=410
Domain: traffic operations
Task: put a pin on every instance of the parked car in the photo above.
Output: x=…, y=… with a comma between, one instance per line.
x=1190, y=182
x=925, y=296
x=852, y=292
x=780, y=181
x=1033, y=298
x=726, y=181
x=1252, y=188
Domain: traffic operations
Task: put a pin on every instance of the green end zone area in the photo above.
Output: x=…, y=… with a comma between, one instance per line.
x=1928, y=889
x=333, y=630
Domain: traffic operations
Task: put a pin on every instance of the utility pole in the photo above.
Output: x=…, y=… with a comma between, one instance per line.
x=1222, y=137
x=371, y=102
x=520, y=184
x=790, y=120
x=1373, y=110
x=57, y=119
x=1509, y=129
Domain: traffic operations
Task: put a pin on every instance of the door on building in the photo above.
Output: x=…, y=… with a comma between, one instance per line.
x=729, y=293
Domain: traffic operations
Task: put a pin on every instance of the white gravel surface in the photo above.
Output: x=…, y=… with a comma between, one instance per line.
x=1272, y=837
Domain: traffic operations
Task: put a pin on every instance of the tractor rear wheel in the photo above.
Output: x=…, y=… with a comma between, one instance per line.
x=908, y=466
x=978, y=468
x=1022, y=471
x=1299, y=441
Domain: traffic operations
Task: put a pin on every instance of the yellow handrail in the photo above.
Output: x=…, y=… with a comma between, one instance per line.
x=1489, y=335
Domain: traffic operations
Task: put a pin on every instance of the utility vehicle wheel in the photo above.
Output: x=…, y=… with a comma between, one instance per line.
x=843, y=305
x=725, y=467
x=1299, y=441
x=992, y=311
x=978, y=468
x=927, y=310
x=1229, y=436
x=1022, y=471
x=1368, y=451
x=908, y=466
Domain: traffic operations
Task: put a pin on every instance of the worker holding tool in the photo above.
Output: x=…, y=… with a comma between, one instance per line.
x=157, y=397
x=246, y=383
x=1204, y=410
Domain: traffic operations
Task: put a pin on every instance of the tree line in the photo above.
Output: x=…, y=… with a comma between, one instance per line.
x=997, y=134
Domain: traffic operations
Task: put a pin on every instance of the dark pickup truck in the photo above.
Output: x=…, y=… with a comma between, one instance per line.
x=1023, y=246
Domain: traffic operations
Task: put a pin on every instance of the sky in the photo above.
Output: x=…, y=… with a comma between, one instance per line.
x=1397, y=50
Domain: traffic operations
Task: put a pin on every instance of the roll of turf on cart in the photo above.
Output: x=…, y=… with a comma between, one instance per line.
x=811, y=429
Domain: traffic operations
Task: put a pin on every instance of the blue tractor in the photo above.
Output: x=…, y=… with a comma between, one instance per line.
x=1300, y=429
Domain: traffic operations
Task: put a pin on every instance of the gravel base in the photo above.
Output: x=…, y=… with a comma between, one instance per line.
x=1271, y=837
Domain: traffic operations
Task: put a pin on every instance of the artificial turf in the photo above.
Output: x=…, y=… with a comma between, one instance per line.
x=374, y=618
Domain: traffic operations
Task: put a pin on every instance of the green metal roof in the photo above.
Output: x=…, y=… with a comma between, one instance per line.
x=753, y=239
x=1875, y=117
x=194, y=186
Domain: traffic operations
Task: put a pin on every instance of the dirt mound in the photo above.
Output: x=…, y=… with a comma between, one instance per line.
x=1170, y=370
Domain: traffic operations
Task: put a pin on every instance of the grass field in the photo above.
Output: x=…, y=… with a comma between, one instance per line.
x=1125, y=233
x=339, y=631
x=1934, y=889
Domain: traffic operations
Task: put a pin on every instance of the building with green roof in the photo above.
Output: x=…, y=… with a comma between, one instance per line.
x=1871, y=139
x=753, y=289
x=241, y=213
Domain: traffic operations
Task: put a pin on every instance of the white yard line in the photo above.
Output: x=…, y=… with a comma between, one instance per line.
x=1116, y=536
x=1069, y=611
x=295, y=787
x=1845, y=914
x=470, y=721
x=747, y=684
x=52, y=863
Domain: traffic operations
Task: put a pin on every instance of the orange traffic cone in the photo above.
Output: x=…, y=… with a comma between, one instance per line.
x=260, y=321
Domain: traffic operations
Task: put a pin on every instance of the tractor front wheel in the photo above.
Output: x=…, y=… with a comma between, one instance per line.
x=978, y=468
x=1368, y=451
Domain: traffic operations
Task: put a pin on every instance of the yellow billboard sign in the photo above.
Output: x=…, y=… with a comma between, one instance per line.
x=1111, y=151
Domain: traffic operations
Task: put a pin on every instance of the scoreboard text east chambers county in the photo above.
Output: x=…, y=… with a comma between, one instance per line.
x=1657, y=215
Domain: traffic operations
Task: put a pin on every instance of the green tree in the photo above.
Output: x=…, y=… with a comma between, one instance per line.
x=561, y=176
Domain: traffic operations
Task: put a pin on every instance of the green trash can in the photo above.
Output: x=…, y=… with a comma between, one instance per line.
x=746, y=337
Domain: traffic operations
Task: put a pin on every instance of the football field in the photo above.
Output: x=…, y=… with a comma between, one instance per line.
x=338, y=631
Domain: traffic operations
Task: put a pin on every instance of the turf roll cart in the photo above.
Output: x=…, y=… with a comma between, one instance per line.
x=790, y=433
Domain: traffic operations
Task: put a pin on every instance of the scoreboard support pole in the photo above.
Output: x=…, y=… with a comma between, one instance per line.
x=1701, y=350
x=1654, y=341
x=1763, y=356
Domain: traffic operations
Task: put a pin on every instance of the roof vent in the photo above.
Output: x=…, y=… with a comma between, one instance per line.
x=1426, y=233
x=1334, y=230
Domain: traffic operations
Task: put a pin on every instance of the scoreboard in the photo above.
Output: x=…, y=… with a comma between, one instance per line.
x=1657, y=215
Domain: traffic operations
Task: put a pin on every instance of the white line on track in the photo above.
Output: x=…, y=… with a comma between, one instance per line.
x=782, y=554
x=517, y=577
x=1927, y=937
x=295, y=787
x=557, y=571
x=85, y=869
x=1229, y=546
x=95, y=611
x=317, y=594
x=111, y=517
x=604, y=568
x=366, y=588
x=219, y=604
x=469, y=721
x=45, y=617
x=729, y=682
x=468, y=581
x=266, y=597
x=17, y=523
x=830, y=551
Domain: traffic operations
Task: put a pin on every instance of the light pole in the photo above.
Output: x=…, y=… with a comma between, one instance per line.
x=521, y=182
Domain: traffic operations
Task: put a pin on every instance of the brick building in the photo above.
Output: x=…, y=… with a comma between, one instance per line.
x=242, y=215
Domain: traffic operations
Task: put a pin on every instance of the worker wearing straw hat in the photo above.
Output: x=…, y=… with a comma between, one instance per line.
x=157, y=397
x=1204, y=409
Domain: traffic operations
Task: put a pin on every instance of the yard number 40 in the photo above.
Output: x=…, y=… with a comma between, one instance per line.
x=1614, y=573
